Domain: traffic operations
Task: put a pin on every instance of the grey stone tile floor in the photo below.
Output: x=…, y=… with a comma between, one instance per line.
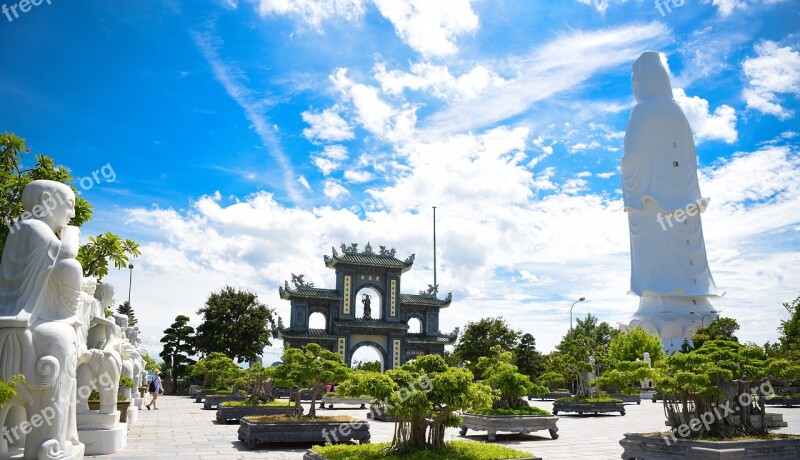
x=181, y=429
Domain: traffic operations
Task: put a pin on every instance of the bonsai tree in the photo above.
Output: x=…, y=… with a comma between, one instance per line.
x=552, y=381
x=633, y=344
x=258, y=381
x=217, y=371
x=424, y=394
x=500, y=374
x=308, y=370
x=722, y=378
x=625, y=377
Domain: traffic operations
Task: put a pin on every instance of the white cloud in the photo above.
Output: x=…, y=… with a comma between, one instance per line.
x=550, y=69
x=304, y=182
x=431, y=27
x=330, y=159
x=719, y=125
x=600, y=5
x=775, y=70
x=606, y=175
x=334, y=190
x=373, y=113
x=358, y=177
x=336, y=152
x=438, y=80
x=313, y=12
x=327, y=125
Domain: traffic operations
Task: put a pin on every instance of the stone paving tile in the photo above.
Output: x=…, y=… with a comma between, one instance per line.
x=181, y=429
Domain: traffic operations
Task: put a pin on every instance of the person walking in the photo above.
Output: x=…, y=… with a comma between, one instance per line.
x=155, y=389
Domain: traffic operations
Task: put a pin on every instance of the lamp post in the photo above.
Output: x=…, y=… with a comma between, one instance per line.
x=570, y=311
x=703, y=317
x=130, y=283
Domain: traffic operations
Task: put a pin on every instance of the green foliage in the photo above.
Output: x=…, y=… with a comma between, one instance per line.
x=308, y=370
x=632, y=345
x=150, y=364
x=552, y=380
x=479, y=337
x=372, y=366
x=424, y=395
x=249, y=403
x=588, y=340
x=721, y=329
x=178, y=348
x=529, y=361
x=462, y=450
x=126, y=381
x=625, y=377
x=258, y=380
x=598, y=399
x=790, y=330
x=9, y=389
x=235, y=324
x=217, y=370
x=95, y=255
x=500, y=374
x=715, y=375
x=126, y=309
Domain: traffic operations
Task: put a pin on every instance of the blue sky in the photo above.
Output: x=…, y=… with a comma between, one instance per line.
x=249, y=136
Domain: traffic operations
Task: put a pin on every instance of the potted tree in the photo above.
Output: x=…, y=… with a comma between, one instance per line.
x=218, y=373
x=260, y=400
x=714, y=402
x=306, y=370
x=553, y=386
x=425, y=396
x=508, y=412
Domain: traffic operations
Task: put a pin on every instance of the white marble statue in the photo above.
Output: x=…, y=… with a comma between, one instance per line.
x=40, y=288
x=669, y=269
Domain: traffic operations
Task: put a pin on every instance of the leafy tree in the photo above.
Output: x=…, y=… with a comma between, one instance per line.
x=552, y=380
x=625, y=377
x=721, y=329
x=716, y=375
x=479, y=337
x=216, y=370
x=94, y=255
x=790, y=329
x=633, y=344
x=501, y=374
x=235, y=323
x=529, y=361
x=686, y=346
x=372, y=366
x=424, y=395
x=150, y=364
x=177, y=349
x=308, y=370
x=126, y=309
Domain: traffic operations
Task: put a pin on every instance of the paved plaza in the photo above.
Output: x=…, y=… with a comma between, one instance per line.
x=181, y=429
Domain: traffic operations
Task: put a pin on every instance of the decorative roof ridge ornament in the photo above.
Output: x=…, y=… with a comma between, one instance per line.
x=299, y=283
x=387, y=253
x=368, y=248
x=352, y=249
x=431, y=291
x=410, y=259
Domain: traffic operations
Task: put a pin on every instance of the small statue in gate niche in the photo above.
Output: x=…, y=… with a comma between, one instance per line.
x=365, y=299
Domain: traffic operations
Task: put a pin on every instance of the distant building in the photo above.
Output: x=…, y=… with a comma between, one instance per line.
x=383, y=325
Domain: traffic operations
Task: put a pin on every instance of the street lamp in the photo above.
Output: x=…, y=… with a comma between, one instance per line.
x=570, y=311
x=130, y=283
x=703, y=317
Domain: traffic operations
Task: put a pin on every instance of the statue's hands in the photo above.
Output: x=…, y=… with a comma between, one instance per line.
x=96, y=359
x=70, y=242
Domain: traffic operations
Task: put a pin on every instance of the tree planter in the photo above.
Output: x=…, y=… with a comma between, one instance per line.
x=550, y=396
x=512, y=423
x=773, y=421
x=787, y=402
x=122, y=407
x=253, y=433
x=380, y=414
x=226, y=413
x=331, y=401
x=628, y=399
x=639, y=446
x=588, y=407
x=212, y=401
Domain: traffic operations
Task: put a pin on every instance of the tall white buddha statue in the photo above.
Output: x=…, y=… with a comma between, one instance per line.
x=669, y=268
x=40, y=287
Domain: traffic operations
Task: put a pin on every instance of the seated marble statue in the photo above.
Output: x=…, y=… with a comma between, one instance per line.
x=40, y=288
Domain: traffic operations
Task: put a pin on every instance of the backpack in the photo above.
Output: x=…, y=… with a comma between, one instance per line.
x=152, y=387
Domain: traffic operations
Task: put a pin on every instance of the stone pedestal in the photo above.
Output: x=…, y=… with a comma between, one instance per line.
x=133, y=415
x=94, y=420
x=138, y=403
x=104, y=442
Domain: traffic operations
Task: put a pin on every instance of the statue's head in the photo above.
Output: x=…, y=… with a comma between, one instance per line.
x=105, y=294
x=89, y=285
x=49, y=201
x=650, y=78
